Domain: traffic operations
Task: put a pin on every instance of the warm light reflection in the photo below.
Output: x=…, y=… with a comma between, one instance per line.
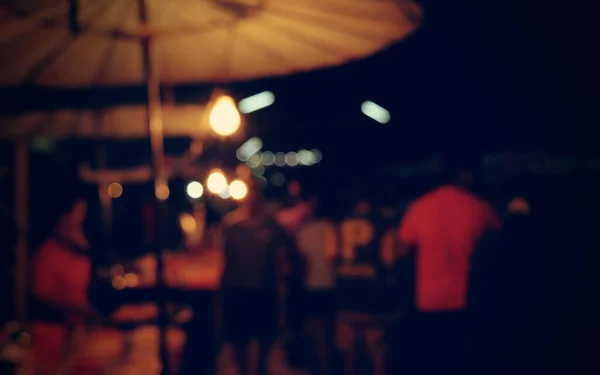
x=115, y=190
x=224, y=117
x=238, y=190
x=194, y=190
x=162, y=192
x=518, y=205
x=131, y=280
x=188, y=223
x=119, y=283
x=216, y=182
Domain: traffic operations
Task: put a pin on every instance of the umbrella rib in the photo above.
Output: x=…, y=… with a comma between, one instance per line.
x=312, y=41
x=314, y=21
x=60, y=49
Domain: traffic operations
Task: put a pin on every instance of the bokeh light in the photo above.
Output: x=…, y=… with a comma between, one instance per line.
x=268, y=158
x=216, y=182
x=238, y=190
x=278, y=179
x=162, y=192
x=224, y=118
x=291, y=159
x=188, y=223
x=194, y=190
x=115, y=190
x=280, y=159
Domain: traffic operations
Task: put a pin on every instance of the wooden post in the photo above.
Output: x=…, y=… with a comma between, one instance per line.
x=22, y=219
x=161, y=189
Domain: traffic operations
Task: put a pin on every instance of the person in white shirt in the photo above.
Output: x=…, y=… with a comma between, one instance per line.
x=316, y=241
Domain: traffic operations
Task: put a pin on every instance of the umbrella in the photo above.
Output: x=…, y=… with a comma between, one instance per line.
x=96, y=42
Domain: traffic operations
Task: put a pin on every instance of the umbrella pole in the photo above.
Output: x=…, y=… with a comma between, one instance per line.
x=22, y=218
x=161, y=189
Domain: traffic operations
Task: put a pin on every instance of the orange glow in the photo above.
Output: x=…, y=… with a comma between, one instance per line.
x=115, y=190
x=162, y=192
x=119, y=283
x=131, y=280
x=518, y=205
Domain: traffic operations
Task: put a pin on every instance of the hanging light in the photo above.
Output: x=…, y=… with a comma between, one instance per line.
x=216, y=182
x=194, y=190
x=224, y=118
x=238, y=190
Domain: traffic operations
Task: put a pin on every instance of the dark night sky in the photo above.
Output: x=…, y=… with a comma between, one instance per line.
x=478, y=74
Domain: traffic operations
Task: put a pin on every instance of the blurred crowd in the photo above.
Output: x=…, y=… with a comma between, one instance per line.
x=449, y=285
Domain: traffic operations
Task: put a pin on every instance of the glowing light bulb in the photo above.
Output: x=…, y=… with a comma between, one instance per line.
x=216, y=182
x=194, y=190
x=115, y=190
x=224, y=118
x=238, y=190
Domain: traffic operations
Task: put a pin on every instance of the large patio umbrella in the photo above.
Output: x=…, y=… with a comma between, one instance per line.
x=97, y=42
x=86, y=43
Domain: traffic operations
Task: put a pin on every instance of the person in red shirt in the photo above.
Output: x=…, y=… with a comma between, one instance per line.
x=444, y=227
x=61, y=276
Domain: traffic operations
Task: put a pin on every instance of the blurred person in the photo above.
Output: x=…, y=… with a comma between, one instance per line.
x=253, y=247
x=363, y=302
x=316, y=240
x=505, y=293
x=444, y=227
x=202, y=242
x=61, y=278
x=290, y=218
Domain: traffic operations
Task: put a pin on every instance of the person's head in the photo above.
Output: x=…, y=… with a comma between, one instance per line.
x=462, y=169
x=73, y=217
x=294, y=189
x=362, y=207
x=518, y=206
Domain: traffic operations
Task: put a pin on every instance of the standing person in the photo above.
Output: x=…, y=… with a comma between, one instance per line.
x=444, y=227
x=316, y=241
x=61, y=277
x=362, y=300
x=506, y=299
x=251, y=243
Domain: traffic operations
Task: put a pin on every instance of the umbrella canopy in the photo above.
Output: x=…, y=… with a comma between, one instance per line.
x=97, y=42
x=127, y=122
